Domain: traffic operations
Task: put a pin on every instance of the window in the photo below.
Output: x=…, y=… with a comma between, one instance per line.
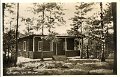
x=24, y=45
x=39, y=45
x=46, y=45
x=70, y=44
x=30, y=44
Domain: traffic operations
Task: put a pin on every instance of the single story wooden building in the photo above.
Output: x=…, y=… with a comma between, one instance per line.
x=33, y=45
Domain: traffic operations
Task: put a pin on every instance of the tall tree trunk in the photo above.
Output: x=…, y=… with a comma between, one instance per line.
x=82, y=48
x=42, y=32
x=16, y=55
x=3, y=8
x=82, y=36
x=103, y=37
x=9, y=43
x=8, y=48
x=28, y=29
x=8, y=53
x=49, y=29
x=87, y=52
x=43, y=20
x=114, y=11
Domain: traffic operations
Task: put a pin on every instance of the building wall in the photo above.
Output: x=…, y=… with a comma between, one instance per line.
x=36, y=39
x=29, y=47
x=37, y=55
x=47, y=53
x=46, y=48
x=30, y=44
x=72, y=53
x=46, y=44
x=21, y=51
x=30, y=54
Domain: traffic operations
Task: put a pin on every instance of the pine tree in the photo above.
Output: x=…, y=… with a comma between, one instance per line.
x=8, y=31
x=78, y=21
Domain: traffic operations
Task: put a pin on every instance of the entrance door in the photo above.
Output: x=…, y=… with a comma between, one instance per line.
x=61, y=46
x=58, y=49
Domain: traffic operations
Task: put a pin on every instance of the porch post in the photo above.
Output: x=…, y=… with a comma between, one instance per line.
x=80, y=49
x=65, y=44
x=33, y=44
x=56, y=48
x=51, y=45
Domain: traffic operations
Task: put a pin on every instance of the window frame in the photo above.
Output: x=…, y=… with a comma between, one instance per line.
x=24, y=46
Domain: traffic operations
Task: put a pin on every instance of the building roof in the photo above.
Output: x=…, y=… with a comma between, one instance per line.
x=58, y=36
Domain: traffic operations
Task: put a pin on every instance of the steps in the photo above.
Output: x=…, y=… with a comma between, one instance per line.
x=59, y=57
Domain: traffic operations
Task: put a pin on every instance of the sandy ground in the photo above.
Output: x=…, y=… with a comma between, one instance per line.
x=72, y=66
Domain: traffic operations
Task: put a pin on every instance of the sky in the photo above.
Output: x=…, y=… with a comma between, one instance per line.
x=69, y=12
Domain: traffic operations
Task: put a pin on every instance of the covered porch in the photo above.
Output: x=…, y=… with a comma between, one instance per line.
x=65, y=46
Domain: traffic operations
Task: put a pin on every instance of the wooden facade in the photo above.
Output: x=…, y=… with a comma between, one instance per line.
x=31, y=46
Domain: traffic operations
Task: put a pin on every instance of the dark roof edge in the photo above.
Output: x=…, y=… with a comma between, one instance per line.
x=46, y=35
